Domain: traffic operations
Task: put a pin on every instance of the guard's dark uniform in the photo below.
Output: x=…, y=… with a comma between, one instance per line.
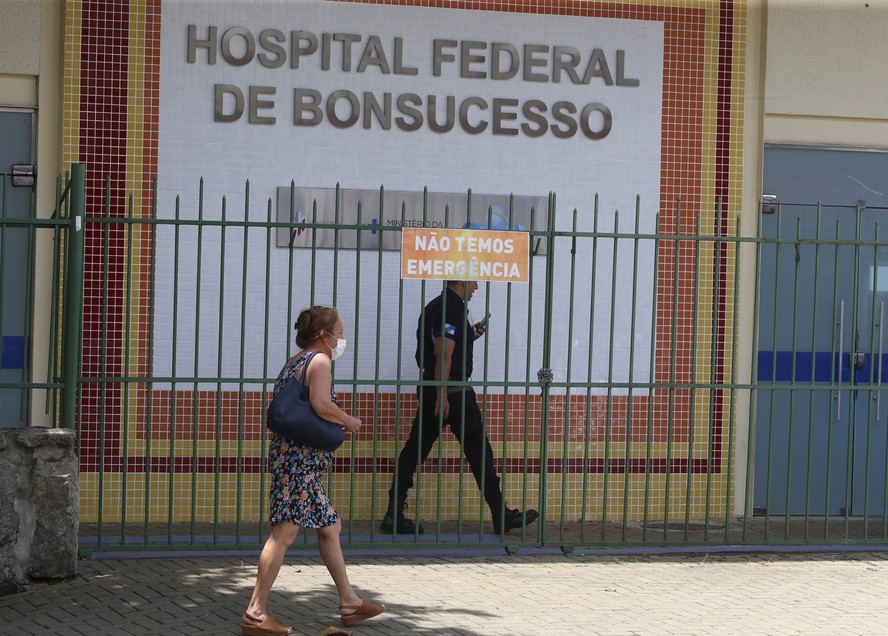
x=469, y=430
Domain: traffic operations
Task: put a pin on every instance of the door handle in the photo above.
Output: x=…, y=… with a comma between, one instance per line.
x=856, y=360
x=841, y=349
x=879, y=374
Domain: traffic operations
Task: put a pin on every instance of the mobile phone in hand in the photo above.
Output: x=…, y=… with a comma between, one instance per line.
x=486, y=319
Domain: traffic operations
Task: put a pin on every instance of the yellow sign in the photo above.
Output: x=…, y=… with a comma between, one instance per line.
x=442, y=254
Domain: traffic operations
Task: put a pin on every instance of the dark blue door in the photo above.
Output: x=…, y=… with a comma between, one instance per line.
x=16, y=148
x=820, y=427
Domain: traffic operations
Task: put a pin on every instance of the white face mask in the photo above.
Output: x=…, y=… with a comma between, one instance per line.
x=338, y=350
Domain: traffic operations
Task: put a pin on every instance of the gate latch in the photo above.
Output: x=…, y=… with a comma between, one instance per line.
x=856, y=360
x=545, y=376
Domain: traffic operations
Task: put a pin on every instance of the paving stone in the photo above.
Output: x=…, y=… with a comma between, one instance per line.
x=524, y=595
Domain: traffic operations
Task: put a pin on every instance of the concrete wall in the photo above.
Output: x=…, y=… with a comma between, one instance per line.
x=20, y=37
x=49, y=164
x=20, y=41
x=39, y=505
x=825, y=76
x=752, y=154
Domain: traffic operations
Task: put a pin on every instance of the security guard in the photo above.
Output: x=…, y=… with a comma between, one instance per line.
x=443, y=335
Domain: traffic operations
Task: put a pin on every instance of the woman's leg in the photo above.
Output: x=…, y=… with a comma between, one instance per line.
x=351, y=608
x=331, y=554
x=282, y=535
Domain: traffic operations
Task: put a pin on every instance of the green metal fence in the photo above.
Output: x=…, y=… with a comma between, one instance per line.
x=820, y=447
x=598, y=408
x=56, y=239
x=608, y=382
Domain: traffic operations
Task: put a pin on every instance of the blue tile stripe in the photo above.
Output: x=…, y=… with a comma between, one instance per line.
x=812, y=367
x=12, y=352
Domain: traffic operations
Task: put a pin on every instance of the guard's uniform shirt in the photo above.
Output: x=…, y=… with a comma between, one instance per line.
x=455, y=326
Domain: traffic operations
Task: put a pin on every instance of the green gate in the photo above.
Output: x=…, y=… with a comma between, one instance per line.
x=57, y=240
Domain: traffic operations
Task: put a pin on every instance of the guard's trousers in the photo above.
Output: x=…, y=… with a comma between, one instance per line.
x=471, y=435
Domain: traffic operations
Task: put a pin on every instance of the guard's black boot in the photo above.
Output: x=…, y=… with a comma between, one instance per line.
x=513, y=518
x=392, y=524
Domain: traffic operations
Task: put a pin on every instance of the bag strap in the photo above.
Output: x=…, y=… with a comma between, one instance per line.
x=304, y=369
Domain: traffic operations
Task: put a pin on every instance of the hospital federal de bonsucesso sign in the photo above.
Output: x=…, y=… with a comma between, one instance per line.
x=348, y=53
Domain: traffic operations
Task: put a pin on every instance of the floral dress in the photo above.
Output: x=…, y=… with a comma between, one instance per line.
x=297, y=490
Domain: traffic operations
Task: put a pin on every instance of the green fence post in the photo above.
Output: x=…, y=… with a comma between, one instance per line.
x=544, y=375
x=73, y=308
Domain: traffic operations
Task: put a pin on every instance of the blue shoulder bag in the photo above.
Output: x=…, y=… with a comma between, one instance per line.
x=290, y=414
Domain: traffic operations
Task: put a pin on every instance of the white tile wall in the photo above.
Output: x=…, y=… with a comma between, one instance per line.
x=624, y=164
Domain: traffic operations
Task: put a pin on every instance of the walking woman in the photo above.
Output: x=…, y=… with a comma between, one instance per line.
x=298, y=497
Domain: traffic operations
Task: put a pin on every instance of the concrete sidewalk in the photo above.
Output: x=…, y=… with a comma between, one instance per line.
x=474, y=595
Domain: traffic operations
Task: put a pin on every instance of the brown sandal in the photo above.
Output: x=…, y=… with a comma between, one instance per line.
x=360, y=612
x=253, y=626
